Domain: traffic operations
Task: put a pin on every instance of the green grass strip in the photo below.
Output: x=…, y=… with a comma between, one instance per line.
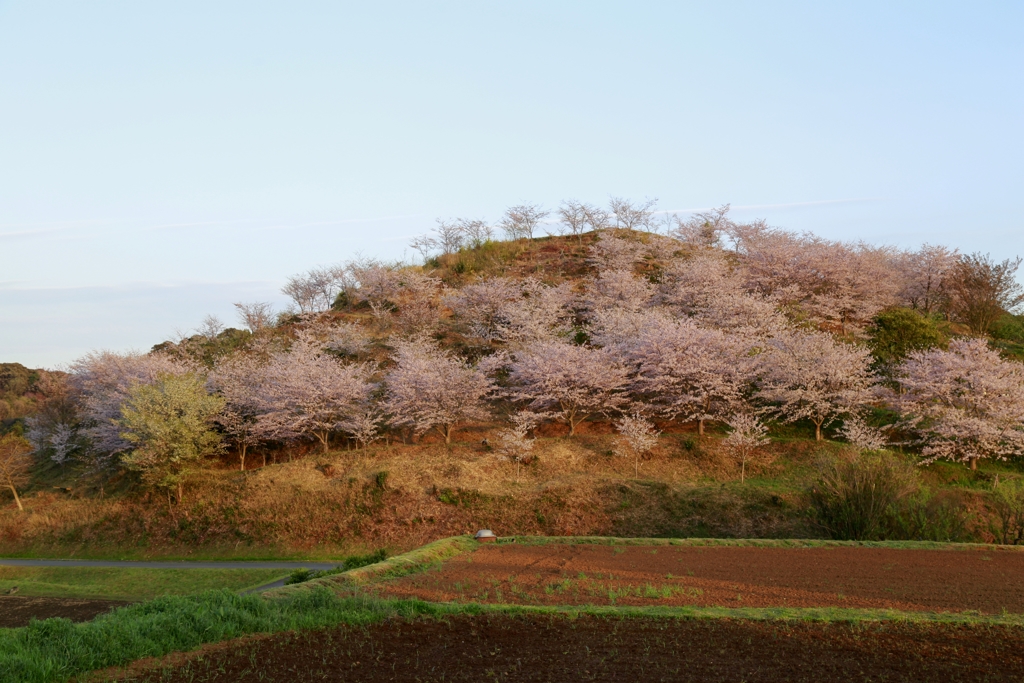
x=420, y=559
x=819, y=614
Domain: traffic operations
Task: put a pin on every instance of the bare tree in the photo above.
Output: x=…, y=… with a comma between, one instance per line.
x=520, y=221
x=637, y=437
x=965, y=403
x=430, y=389
x=597, y=218
x=211, y=327
x=475, y=232
x=630, y=215
x=316, y=290
x=573, y=215
x=15, y=462
x=256, y=316
x=982, y=290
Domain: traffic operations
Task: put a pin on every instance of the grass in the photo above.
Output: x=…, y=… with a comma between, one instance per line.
x=56, y=649
x=118, y=583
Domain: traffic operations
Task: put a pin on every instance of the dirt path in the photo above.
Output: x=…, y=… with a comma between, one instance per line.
x=16, y=611
x=989, y=581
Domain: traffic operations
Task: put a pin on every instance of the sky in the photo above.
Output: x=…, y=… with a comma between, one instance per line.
x=161, y=161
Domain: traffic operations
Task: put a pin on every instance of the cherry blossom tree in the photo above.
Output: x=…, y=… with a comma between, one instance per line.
x=615, y=253
x=833, y=283
x=637, y=436
x=431, y=389
x=704, y=229
x=514, y=443
x=573, y=381
x=514, y=311
x=54, y=430
x=810, y=375
x=966, y=403
x=924, y=275
x=101, y=382
x=239, y=379
x=308, y=392
x=747, y=435
x=618, y=289
x=681, y=370
x=861, y=435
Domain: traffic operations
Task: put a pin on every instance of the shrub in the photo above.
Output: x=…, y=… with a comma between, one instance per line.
x=1007, y=501
x=926, y=516
x=855, y=500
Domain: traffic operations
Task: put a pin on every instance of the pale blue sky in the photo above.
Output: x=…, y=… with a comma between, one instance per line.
x=159, y=161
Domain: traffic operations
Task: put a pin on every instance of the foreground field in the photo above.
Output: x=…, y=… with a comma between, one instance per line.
x=555, y=648
x=574, y=609
x=985, y=580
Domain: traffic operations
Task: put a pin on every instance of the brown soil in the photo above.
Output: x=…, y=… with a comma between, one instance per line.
x=989, y=581
x=505, y=648
x=16, y=610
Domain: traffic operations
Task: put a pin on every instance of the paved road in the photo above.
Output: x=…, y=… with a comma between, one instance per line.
x=259, y=564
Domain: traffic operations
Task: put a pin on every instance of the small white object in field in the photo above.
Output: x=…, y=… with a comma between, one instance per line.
x=485, y=536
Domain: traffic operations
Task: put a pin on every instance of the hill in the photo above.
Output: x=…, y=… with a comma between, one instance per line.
x=722, y=380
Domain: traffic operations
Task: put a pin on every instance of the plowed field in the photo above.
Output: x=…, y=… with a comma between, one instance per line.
x=17, y=611
x=989, y=581
x=503, y=648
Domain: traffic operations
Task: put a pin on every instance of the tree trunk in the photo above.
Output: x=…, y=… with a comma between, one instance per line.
x=700, y=427
x=16, y=499
x=181, y=492
x=743, y=469
x=817, y=431
x=974, y=464
x=242, y=458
